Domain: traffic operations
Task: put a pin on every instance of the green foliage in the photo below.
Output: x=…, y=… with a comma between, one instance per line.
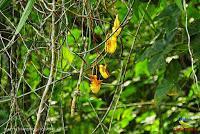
x=163, y=88
x=151, y=84
x=4, y=3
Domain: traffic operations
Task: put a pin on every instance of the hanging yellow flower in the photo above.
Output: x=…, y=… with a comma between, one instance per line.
x=103, y=71
x=111, y=45
x=95, y=84
x=116, y=27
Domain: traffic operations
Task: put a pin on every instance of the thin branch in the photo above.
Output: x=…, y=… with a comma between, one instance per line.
x=188, y=44
x=41, y=107
x=77, y=90
x=189, y=48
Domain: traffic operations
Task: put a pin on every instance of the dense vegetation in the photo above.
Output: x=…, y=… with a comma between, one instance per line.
x=99, y=66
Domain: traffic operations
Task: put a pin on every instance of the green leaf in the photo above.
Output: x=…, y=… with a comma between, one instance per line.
x=121, y=8
x=4, y=3
x=162, y=90
x=127, y=116
x=33, y=78
x=67, y=54
x=25, y=15
x=157, y=62
x=136, y=5
x=187, y=72
x=118, y=113
x=157, y=52
x=170, y=11
x=128, y=92
x=85, y=87
x=67, y=58
x=143, y=116
x=179, y=4
x=127, y=113
x=76, y=33
x=98, y=30
x=173, y=70
x=196, y=90
x=141, y=68
x=169, y=18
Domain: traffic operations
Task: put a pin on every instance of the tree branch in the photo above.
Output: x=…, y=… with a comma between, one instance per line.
x=44, y=95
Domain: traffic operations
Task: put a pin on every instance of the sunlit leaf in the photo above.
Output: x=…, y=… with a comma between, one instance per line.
x=141, y=68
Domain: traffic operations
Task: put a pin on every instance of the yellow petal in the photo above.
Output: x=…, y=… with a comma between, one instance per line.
x=116, y=22
x=103, y=71
x=116, y=32
x=116, y=27
x=111, y=45
x=95, y=88
x=95, y=84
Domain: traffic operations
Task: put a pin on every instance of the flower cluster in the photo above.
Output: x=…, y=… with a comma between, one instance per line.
x=110, y=47
x=95, y=84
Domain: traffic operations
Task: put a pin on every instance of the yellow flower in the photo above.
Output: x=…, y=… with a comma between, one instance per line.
x=103, y=71
x=116, y=26
x=95, y=84
x=111, y=45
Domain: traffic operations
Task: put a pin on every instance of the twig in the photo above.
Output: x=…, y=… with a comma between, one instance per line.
x=41, y=107
x=188, y=44
x=77, y=90
x=189, y=49
x=97, y=116
x=141, y=104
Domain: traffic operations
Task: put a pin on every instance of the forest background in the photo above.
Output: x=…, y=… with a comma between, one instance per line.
x=51, y=81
